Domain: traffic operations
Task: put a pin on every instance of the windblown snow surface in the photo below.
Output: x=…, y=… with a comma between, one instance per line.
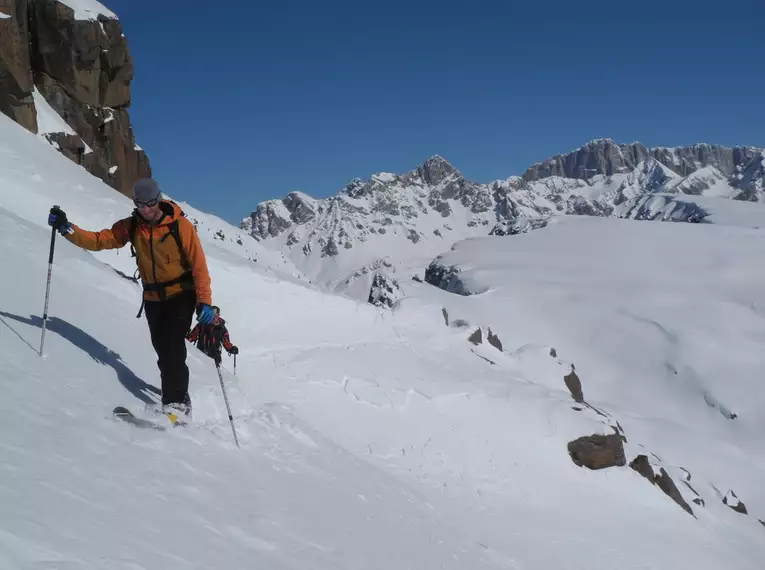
x=380, y=439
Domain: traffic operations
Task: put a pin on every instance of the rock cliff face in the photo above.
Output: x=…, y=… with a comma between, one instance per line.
x=605, y=157
x=16, y=83
x=78, y=62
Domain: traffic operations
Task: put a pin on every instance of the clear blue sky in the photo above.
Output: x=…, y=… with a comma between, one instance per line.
x=241, y=101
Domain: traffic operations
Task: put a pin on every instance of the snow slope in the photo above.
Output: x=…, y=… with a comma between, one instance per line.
x=665, y=323
x=370, y=439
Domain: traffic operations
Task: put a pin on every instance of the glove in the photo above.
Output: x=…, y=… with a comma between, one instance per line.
x=205, y=314
x=234, y=350
x=57, y=220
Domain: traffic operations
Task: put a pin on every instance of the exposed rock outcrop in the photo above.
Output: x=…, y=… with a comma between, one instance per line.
x=605, y=157
x=16, y=83
x=598, y=451
x=642, y=466
x=521, y=225
x=666, y=484
x=574, y=385
x=384, y=291
x=661, y=208
x=662, y=480
x=494, y=340
x=447, y=278
x=83, y=69
x=734, y=502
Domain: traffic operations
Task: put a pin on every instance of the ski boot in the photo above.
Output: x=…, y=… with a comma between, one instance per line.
x=179, y=413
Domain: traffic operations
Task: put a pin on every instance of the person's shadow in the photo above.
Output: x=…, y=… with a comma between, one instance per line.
x=95, y=349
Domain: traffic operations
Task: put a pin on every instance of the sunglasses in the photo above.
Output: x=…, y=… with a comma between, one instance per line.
x=149, y=204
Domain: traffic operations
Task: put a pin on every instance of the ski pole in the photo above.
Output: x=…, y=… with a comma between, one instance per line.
x=225, y=397
x=235, y=365
x=47, y=287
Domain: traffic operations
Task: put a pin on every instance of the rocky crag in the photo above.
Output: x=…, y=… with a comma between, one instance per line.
x=65, y=74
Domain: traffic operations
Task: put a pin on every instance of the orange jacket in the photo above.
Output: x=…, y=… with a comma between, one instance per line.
x=158, y=257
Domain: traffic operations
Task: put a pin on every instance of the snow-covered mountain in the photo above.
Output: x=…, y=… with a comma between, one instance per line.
x=401, y=220
x=594, y=404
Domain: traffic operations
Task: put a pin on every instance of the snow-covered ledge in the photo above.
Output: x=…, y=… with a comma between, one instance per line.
x=88, y=9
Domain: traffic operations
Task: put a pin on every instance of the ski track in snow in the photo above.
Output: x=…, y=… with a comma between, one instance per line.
x=370, y=439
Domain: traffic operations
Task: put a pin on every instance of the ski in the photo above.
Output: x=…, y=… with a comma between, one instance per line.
x=122, y=413
x=125, y=415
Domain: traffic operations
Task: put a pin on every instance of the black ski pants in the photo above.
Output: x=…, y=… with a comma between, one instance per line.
x=169, y=322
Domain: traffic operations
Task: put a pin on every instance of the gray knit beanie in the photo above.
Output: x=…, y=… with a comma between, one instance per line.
x=145, y=190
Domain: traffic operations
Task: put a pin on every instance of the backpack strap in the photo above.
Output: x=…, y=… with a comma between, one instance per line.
x=172, y=229
x=132, y=227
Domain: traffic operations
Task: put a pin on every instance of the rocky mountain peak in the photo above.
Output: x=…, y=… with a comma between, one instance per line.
x=353, y=187
x=302, y=208
x=436, y=170
x=73, y=57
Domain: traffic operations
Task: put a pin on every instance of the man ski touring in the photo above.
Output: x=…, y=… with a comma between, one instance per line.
x=173, y=271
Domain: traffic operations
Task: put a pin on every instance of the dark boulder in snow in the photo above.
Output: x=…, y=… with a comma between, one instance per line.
x=477, y=337
x=443, y=277
x=494, y=340
x=666, y=484
x=598, y=451
x=447, y=278
x=663, y=480
x=574, y=385
x=642, y=466
x=734, y=503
